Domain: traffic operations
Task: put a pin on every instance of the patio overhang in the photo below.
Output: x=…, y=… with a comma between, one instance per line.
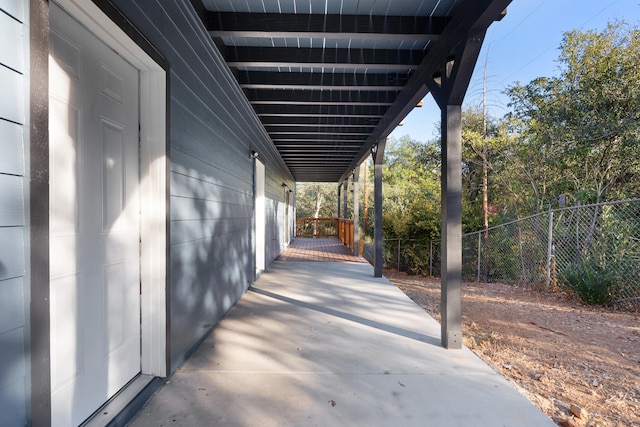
x=329, y=78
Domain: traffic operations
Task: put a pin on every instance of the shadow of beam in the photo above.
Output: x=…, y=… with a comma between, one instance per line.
x=351, y=317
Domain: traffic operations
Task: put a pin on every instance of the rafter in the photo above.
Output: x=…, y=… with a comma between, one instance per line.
x=339, y=110
x=312, y=133
x=350, y=97
x=244, y=57
x=393, y=81
x=309, y=147
x=315, y=142
x=343, y=116
x=304, y=126
x=352, y=130
x=315, y=120
x=372, y=27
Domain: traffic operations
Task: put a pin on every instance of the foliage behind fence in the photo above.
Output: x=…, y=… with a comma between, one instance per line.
x=582, y=248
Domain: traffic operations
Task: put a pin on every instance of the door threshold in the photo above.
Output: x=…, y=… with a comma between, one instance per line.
x=122, y=407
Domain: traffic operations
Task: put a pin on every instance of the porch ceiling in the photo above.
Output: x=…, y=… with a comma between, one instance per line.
x=329, y=78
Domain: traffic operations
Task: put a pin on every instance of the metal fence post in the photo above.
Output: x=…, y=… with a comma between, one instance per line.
x=430, y=258
x=399, y=240
x=549, y=249
x=479, y=258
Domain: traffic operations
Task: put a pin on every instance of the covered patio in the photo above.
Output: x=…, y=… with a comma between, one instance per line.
x=330, y=80
x=328, y=344
x=229, y=105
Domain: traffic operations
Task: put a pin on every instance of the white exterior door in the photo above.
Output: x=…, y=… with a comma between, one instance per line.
x=260, y=216
x=94, y=221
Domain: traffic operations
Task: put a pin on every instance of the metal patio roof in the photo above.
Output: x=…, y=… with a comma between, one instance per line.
x=330, y=78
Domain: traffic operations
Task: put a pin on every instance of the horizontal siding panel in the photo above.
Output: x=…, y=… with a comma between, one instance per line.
x=12, y=52
x=204, y=68
x=12, y=356
x=11, y=148
x=12, y=200
x=274, y=189
x=207, y=278
x=222, y=247
x=13, y=8
x=188, y=186
x=209, y=141
x=185, y=208
x=211, y=164
x=190, y=231
x=11, y=304
x=11, y=96
x=11, y=253
x=12, y=403
x=214, y=112
x=186, y=164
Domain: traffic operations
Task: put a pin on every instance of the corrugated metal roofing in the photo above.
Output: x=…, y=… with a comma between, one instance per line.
x=329, y=78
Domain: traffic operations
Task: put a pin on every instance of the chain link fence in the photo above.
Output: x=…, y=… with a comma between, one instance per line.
x=592, y=249
x=411, y=255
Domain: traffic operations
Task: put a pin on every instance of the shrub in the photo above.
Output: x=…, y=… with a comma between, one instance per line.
x=592, y=283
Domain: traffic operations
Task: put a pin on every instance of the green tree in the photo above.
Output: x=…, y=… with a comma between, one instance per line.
x=578, y=134
x=316, y=200
x=485, y=191
x=411, y=176
x=411, y=198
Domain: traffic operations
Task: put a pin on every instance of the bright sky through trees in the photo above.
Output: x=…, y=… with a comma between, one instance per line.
x=521, y=47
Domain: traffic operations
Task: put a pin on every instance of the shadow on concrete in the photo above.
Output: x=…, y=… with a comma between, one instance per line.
x=353, y=318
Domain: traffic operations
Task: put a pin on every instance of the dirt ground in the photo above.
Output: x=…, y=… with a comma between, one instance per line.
x=579, y=364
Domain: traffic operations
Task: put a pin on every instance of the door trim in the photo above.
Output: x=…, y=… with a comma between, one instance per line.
x=153, y=181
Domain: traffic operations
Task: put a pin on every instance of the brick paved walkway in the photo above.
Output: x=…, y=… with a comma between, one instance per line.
x=320, y=249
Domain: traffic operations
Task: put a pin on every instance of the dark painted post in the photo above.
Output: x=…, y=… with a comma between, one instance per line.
x=377, y=206
x=451, y=226
x=448, y=88
x=39, y=313
x=356, y=210
x=339, y=190
x=345, y=207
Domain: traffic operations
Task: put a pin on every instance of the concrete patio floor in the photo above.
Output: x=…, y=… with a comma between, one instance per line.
x=327, y=344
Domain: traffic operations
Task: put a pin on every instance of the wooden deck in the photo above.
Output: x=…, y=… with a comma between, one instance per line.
x=322, y=249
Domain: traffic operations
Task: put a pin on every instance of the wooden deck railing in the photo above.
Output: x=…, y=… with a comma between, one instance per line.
x=346, y=232
x=326, y=227
x=317, y=227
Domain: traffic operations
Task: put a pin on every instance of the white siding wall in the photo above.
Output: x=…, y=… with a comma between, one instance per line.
x=14, y=286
